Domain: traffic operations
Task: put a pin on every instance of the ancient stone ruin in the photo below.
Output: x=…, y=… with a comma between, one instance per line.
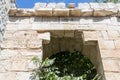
x=92, y=28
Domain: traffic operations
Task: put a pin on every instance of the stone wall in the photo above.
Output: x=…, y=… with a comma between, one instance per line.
x=28, y=35
x=5, y=5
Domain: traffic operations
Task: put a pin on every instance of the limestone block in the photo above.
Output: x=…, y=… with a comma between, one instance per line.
x=99, y=12
x=83, y=27
x=86, y=12
x=5, y=65
x=25, y=34
x=55, y=44
x=56, y=26
x=113, y=34
x=118, y=13
x=111, y=65
x=31, y=65
x=15, y=26
x=104, y=35
x=110, y=11
x=45, y=37
x=69, y=33
x=86, y=20
x=43, y=12
x=113, y=27
x=8, y=76
x=47, y=50
x=7, y=54
x=75, y=12
x=42, y=26
x=12, y=11
x=69, y=20
x=23, y=12
x=51, y=5
x=50, y=19
x=71, y=5
x=58, y=33
x=117, y=43
x=110, y=53
x=61, y=12
x=13, y=20
x=91, y=35
x=85, y=9
x=23, y=75
x=21, y=26
x=24, y=19
x=60, y=5
x=30, y=12
x=39, y=5
x=36, y=20
x=20, y=12
x=112, y=75
x=101, y=20
x=18, y=66
x=78, y=34
x=106, y=44
x=14, y=43
x=69, y=26
x=98, y=26
x=34, y=43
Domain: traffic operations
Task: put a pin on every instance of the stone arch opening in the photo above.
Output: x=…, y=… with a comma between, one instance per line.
x=70, y=40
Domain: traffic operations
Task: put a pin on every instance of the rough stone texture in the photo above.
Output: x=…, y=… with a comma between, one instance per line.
x=59, y=9
x=5, y=5
x=50, y=28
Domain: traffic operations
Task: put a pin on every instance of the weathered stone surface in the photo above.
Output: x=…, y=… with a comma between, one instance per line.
x=112, y=76
x=75, y=12
x=69, y=33
x=23, y=75
x=58, y=33
x=8, y=76
x=91, y=35
x=114, y=63
x=106, y=44
x=110, y=53
x=45, y=37
x=113, y=35
x=43, y=12
x=50, y=20
x=12, y=12
x=33, y=43
x=104, y=35
x=71, y=5
x=21, y=43
x=7, y=54
x=61, y=12
x=117, y=43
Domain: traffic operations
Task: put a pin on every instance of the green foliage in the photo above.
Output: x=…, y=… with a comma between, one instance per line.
x=65, y=66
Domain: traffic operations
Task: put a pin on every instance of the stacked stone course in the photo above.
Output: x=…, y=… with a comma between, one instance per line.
x=5, y=5
x=93, y=28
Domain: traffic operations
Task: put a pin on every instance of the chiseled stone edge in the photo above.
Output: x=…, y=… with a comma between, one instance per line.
x=83, y=9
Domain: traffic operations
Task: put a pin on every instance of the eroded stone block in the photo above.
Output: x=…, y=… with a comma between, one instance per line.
x=61, y=12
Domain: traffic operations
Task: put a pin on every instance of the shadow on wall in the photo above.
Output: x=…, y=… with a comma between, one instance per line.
x=64, y=43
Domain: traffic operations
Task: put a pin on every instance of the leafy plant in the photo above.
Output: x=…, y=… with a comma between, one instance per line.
x=65, y=66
